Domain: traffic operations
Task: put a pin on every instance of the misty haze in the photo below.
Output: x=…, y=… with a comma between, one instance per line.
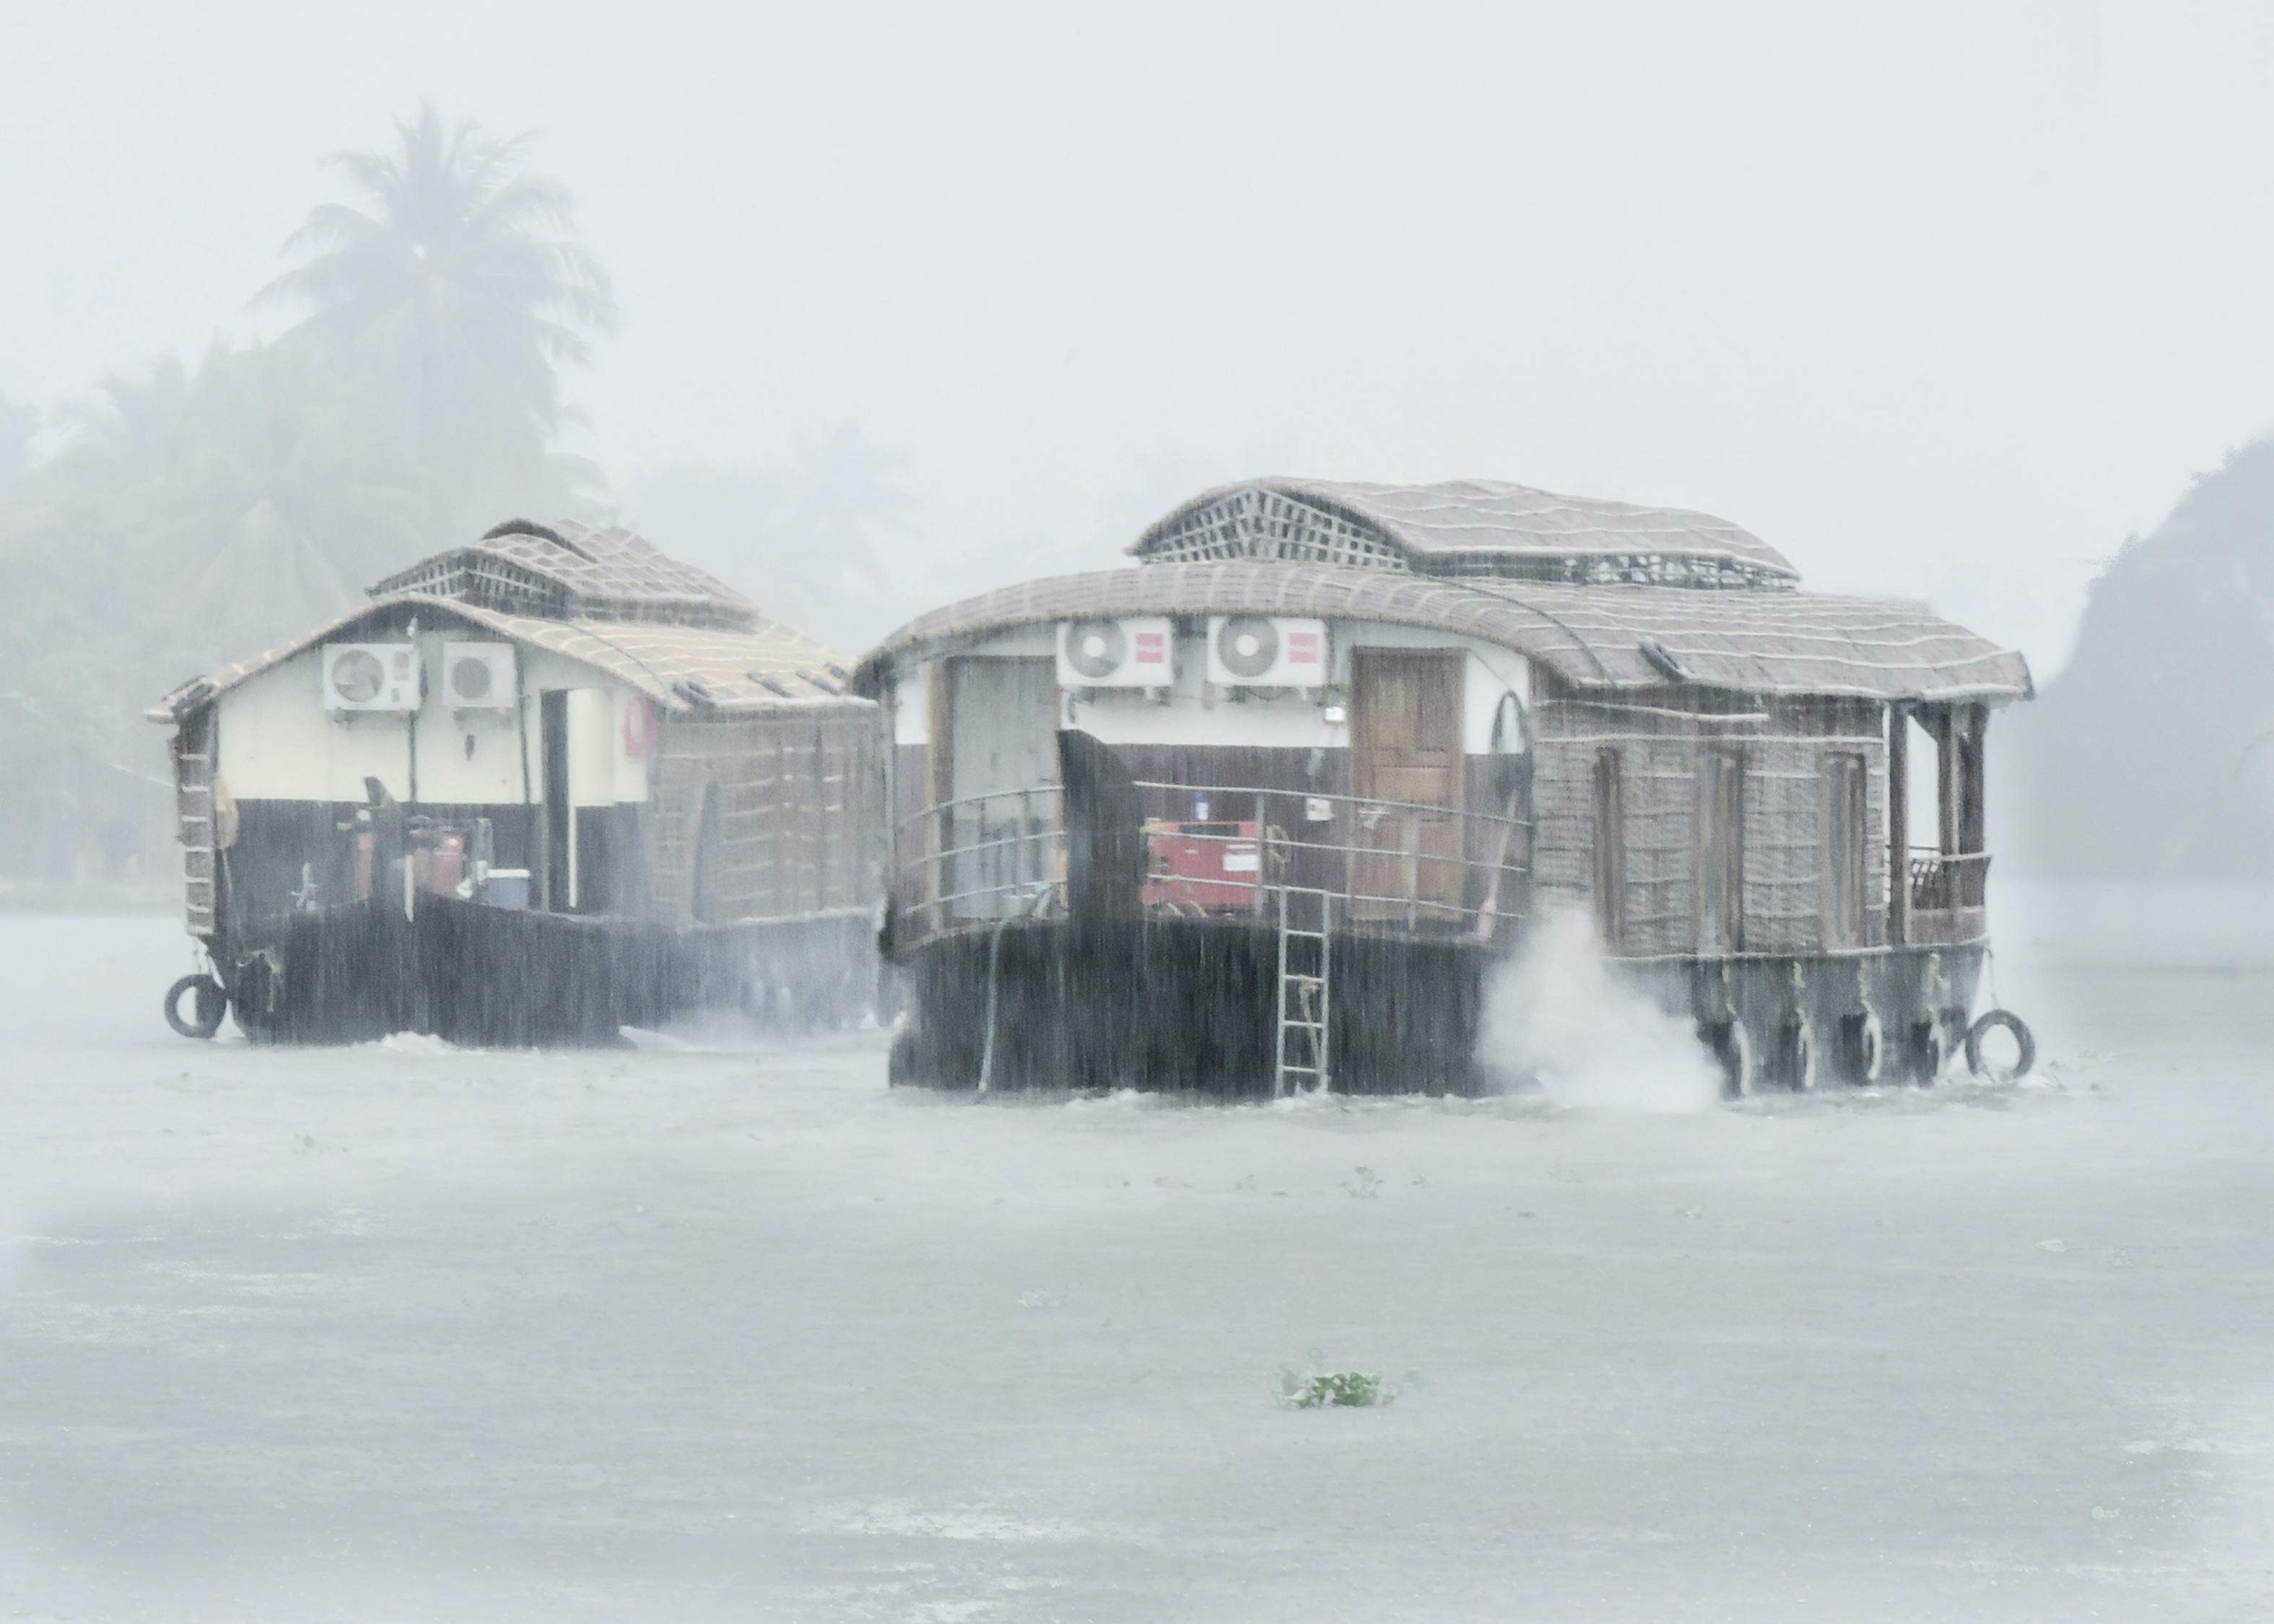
x=1233, y=813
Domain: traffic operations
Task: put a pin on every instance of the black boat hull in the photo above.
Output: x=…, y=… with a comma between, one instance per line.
x=1192, y=1006
x=512, y=978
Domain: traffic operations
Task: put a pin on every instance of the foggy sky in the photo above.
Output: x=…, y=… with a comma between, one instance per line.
x=1938, y=298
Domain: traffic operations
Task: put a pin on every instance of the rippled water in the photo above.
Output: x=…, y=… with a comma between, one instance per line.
x=709, y=1327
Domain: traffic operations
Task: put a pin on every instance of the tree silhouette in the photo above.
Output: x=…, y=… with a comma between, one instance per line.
x=456, y=289
x=18, y=422
x=843, y=490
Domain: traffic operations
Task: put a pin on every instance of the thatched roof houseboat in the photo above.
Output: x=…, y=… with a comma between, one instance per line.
x=1264, y=809
x=542, y=784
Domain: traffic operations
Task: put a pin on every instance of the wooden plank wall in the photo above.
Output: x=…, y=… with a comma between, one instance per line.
x=799, y=805
x=1660, y=757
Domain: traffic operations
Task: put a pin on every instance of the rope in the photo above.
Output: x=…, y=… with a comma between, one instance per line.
x=994, y=963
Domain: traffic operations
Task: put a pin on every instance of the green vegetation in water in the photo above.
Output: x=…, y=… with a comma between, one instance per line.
x=1325, y=1389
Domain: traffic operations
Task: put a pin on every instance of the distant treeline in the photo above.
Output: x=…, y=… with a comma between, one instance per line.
x=2151, y=757
x=185, y=515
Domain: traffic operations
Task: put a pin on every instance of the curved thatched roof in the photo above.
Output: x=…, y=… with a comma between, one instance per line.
x=1461, y=527
x=1789, y=642
x=684, y=669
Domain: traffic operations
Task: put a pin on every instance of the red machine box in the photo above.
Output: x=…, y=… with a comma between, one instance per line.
x=1213, y=868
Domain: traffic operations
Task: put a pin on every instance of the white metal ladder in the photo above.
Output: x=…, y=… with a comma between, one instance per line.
x=1306, y=994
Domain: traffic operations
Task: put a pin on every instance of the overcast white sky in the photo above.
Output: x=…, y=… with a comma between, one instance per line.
x=1937, y=297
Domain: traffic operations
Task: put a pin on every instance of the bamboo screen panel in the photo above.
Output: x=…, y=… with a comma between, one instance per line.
x=797, y=806
x=1255, y=523
x=1661, y=751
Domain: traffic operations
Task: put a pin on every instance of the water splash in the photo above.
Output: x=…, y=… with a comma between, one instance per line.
x=1559, y=1016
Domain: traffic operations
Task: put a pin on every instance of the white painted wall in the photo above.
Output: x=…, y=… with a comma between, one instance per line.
x=1194, y=715
x=279, y=743
x=911, y=705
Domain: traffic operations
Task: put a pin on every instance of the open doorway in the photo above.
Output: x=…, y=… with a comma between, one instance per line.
x=995, y=768
x=559, y=819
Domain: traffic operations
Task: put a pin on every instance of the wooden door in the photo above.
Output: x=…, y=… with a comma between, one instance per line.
x=1406, y=757
x=1721, y=853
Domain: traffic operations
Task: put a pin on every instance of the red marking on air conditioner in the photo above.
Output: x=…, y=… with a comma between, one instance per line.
x=1152, y=649
x=1302, y=648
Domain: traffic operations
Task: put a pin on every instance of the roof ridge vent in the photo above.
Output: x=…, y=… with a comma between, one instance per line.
x=543, y=532
x=1463, y=529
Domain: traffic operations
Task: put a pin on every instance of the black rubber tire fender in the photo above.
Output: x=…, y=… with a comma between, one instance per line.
x=1862, y=1048
x=210, y=1006
x=1798, y=1057
x=2013, y=1023
x=1733, y=1048
x=1923, y=1054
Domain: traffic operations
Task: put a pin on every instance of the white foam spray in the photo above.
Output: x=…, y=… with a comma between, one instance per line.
x=1557, y=1014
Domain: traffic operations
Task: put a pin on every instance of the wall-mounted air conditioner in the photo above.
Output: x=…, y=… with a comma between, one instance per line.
x=1256, y=651
x=1135, y=651
x=371, y=676
x=479, y=676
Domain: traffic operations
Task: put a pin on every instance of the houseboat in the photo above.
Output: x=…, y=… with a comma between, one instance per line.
x=539, y=787
x=1264, y=811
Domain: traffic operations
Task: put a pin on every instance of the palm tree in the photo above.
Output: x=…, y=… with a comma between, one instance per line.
x=456, y=292
x=204, y=511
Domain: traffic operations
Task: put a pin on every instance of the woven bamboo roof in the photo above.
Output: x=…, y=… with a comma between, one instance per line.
x=1786, y=643
x=567, y=571
x=1462, y=527
x=688, y=670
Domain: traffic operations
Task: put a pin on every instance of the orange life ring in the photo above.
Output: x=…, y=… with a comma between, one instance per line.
x=639, y=729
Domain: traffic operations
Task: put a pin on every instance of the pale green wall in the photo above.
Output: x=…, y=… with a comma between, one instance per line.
x=279, y=743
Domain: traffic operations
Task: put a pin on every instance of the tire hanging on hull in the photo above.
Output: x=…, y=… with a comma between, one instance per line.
x=1991, y=1021
x=210, y=1006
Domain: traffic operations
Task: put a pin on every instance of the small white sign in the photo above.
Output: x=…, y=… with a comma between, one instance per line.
x=1240, y=862
x=1318, y=809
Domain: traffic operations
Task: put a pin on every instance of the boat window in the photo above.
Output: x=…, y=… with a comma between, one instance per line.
x=1721, y=853
x=1844, y=811
x=1610, y=850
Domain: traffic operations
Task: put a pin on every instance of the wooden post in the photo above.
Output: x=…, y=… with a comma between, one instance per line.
x=1412, y=869
x=1973, y=825
x=1973, y=831
x=1947, y=780
x=887, y=783
x=1899, y=824
x=939, y=735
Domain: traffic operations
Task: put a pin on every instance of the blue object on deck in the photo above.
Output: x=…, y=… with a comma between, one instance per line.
x=507, y=888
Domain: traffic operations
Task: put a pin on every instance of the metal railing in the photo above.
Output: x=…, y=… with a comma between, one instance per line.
x=1944, y=883
x=1390, y=863
x=1016, y=844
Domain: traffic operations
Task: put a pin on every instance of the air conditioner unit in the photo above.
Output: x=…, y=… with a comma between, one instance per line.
x=371, y=676
x=479, y=676
x=1256, y=650
x=1136, y=651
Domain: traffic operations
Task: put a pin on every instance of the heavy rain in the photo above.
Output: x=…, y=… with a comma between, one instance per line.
x=1242, y=813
